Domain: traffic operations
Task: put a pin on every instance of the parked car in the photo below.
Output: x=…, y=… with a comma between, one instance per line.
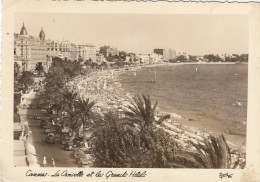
x=69, y=145
x=44, y=123
x=50, y=129
x=79, y=151
x=85, y=161
x=50, y=138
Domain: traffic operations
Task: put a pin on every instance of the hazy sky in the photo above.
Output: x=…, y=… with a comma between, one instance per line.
x=194, y=34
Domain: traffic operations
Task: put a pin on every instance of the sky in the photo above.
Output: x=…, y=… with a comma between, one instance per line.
x=141, y=33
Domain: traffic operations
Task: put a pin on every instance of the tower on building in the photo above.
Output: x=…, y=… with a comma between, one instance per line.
x=42, y=34
x=23, y=30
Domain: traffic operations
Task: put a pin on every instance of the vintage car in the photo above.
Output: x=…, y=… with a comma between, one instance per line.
x=69, y=145
x=85, y=161
x=44, y=123
x=50, y=129
x=78, y=151
x=50, y=138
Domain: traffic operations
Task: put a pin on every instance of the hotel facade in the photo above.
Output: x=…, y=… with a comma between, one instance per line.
x=30, y=50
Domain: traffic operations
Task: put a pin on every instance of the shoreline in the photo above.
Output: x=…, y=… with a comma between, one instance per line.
x=183, y=119
x=108, y=82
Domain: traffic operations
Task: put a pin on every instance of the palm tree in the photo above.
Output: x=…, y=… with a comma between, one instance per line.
x=70, y=98
x=141, y=115
x=83, y=115
x=141, y=112
x=26, y=80
x=66, y=101
x=213, y=152
x=116, y=144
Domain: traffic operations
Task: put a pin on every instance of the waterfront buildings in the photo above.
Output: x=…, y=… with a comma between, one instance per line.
x=30, y=50
x=167, y=54
x=62, y=49
x=87, y=52
x=108, y=51
x=150, y=58
x=155, y=58
x=144, y=58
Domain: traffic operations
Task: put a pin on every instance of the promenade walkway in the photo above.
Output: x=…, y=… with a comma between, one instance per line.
x=61, y=157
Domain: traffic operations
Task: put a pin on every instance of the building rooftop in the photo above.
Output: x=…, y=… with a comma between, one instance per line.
x=42, y=34
x=23, y=30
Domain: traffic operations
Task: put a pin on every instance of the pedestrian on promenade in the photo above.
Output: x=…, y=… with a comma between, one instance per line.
x=52, y=163
x=44, y=162
x=53, y=123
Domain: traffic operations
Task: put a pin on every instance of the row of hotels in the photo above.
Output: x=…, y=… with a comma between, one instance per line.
x=30, y=50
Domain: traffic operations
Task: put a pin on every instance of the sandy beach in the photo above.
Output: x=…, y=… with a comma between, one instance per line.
x=104, y=87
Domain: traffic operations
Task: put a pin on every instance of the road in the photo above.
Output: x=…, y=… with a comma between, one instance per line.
x=61, y=157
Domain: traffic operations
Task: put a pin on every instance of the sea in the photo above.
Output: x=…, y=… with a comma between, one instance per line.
x=209, y=97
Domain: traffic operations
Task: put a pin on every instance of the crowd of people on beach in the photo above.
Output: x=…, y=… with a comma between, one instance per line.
x=102, y=87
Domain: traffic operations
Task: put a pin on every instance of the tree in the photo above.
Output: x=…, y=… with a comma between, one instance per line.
x=83, y=115
x=243, y=58
x=212, y=152
x=193, y=58
x=66, y=102
x=26, y=79
x=117, y=144
x=122, y=55
x=60, y=72
x=17, y=71
x=180, y=58
x=39, y=68
x=213, y=58
x=141, y=112
x=121, y=140
x=73, y=68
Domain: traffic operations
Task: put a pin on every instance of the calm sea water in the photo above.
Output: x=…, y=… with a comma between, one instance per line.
x=211, y=98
